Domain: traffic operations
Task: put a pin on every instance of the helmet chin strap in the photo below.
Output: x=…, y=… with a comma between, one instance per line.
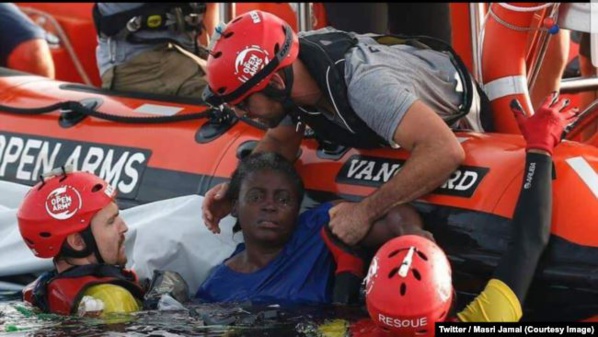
x=90, y=242
x=91, y=247
x=284, y=95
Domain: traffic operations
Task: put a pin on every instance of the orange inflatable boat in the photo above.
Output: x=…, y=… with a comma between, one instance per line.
x=153, y=148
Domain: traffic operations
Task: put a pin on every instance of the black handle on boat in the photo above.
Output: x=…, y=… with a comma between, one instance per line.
x=584, y=118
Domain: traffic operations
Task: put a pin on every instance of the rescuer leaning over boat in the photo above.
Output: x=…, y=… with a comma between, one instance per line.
x=363, y=91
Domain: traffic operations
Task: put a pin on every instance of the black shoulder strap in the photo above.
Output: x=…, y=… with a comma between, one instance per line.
x=98, y=270
x=323, y=54
x=428, y=42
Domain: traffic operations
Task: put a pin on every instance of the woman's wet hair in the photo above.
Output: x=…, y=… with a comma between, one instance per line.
x=262, y=161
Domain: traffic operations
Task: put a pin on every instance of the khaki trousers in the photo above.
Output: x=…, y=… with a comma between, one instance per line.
x=163, y=70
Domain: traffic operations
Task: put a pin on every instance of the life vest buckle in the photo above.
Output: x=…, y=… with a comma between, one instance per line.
x=194, y=19
x=134, y=24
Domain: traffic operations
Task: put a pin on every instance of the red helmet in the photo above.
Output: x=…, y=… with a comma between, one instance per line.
x=58, y=206
x=409, y=286
x=250, y=49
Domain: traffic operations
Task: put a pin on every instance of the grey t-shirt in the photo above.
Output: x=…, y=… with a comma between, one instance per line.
x=116, y=50
x=384, y=81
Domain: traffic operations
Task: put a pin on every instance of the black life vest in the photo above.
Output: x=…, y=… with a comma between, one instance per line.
x=324, y=57
x=60, y=293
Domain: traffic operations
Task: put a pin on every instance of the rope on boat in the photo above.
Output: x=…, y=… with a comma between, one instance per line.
x=524, y=9
x=77, y=107
x=490, y=12
x=216, y=116
x=520, y=9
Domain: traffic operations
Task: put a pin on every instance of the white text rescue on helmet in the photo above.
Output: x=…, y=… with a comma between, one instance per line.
x=417, y=322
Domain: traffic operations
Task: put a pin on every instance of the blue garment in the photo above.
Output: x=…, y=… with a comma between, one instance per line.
x=302, y=273
x=15, y=28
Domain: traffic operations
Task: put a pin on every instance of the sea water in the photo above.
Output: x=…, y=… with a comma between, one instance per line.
x=20, y=319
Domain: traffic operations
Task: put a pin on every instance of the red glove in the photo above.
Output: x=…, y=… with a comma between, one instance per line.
x=346, y=258
x=544, y=129
x=349, y=268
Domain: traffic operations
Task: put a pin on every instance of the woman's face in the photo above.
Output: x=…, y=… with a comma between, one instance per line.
x=267, y=208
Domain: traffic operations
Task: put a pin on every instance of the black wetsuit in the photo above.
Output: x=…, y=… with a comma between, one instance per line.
x=502, y=298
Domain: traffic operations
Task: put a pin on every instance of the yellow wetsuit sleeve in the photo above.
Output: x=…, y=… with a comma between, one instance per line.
x=497, y=303
x=116, y=299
